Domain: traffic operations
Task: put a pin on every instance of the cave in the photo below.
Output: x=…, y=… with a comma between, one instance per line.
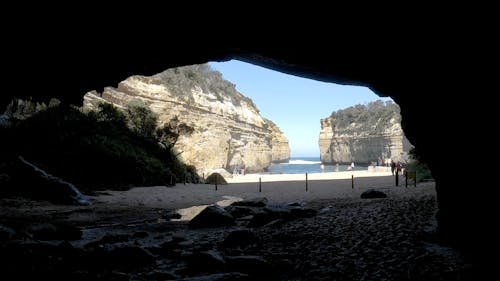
x=417, y=70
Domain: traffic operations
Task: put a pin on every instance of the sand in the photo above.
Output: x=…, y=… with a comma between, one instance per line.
x=277, y=188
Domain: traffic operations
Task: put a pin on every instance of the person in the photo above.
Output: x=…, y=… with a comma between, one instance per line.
x=398, y=168
x=393, y=167
x=322, y=168
x=337, y=167
x=243, y=170
x=352, y=165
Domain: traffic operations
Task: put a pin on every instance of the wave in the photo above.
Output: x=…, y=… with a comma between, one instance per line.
x=303, y=162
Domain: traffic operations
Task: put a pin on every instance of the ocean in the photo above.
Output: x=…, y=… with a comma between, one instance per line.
x=302, y=165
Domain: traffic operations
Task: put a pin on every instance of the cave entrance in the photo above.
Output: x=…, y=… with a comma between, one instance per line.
x=328, y=238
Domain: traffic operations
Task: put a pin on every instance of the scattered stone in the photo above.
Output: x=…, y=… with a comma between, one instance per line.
x=206, y=260
x=237, y=276
x=140, y=234
x=130, y=258
x=254, y=265
x=6, y=233
x=372, y=193
x=172, y=215
x=43, y=185
x=239, y=211
x=212, y=216
x=240, y=238
x=48, y=231
x=255, y=202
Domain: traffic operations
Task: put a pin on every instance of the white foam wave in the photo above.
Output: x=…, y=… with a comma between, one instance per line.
x=303, y=162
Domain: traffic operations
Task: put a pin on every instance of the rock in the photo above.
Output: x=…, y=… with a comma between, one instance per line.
x=48, y=231
x=341, y=142
x=172, y=215
x=38, y=184
x=216, y=178
x=6, y=233
x=262, y=218
x=108, y=239
x=229, y=276
x=206, y=260
x=239, y=212
x=140, y=234
x=129, y=258
x=212, y=216
x=228, y=128
x=221, y=171
x=240, y=238
x=255, y=202
x=160, y=275
x=372, y=193
x=296, y=213
x=254, y=265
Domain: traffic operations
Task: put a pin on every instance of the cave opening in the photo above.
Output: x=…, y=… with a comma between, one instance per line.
x=326, y=239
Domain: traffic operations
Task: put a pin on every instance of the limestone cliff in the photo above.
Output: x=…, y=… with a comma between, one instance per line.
x=228, y=129
x=363, y=134
x=279, y=144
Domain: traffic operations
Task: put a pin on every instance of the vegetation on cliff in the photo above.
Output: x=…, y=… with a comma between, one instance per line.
x=418, y=166
x=101, y=149
x=181, y=80
x=374, y=117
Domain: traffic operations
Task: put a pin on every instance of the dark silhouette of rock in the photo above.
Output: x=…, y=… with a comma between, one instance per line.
x=254, y=265
x=255, y=202
x=39, y=184
x=240, y=238
x=216, y=178
x=206, y=261
x=239, y=211
x=372, y=193
x=49, y=231
x=129, y=258
x=212, y=216
x=229, y=276
x=6, y=233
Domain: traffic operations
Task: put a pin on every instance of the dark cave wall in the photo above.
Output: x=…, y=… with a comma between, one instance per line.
x=415, y=75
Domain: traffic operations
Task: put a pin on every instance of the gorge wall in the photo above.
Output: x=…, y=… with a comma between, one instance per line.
x=363, y=134
x=228, y=129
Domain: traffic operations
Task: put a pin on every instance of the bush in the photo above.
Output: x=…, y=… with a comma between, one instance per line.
x=94, y=151
x=416, y=165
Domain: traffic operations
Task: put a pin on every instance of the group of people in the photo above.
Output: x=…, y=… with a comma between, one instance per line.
x=396, y=166
x=239, y=170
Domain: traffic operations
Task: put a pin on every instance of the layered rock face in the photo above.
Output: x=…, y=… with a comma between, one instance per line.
x=279, y=143
x=228, y=129
x=362, y=142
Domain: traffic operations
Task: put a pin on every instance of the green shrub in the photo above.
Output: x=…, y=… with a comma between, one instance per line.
x=94, y=150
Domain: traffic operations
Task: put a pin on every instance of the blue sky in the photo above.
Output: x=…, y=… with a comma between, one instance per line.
x=295, y=104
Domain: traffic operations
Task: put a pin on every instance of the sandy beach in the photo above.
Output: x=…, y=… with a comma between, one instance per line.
x=345, y=238
x=277, y=188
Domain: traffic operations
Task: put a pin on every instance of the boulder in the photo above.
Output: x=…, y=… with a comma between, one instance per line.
x=39, y=184
x=216, y=178
x=372, y=193
x=212, y=216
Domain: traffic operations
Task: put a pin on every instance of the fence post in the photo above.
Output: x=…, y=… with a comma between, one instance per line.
x=216, y=180
x=415, y=179
x=185, y=179
x=306, y=183
x=260, y=185
x=397, y=178
x=406, y=178
x=352, y=181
